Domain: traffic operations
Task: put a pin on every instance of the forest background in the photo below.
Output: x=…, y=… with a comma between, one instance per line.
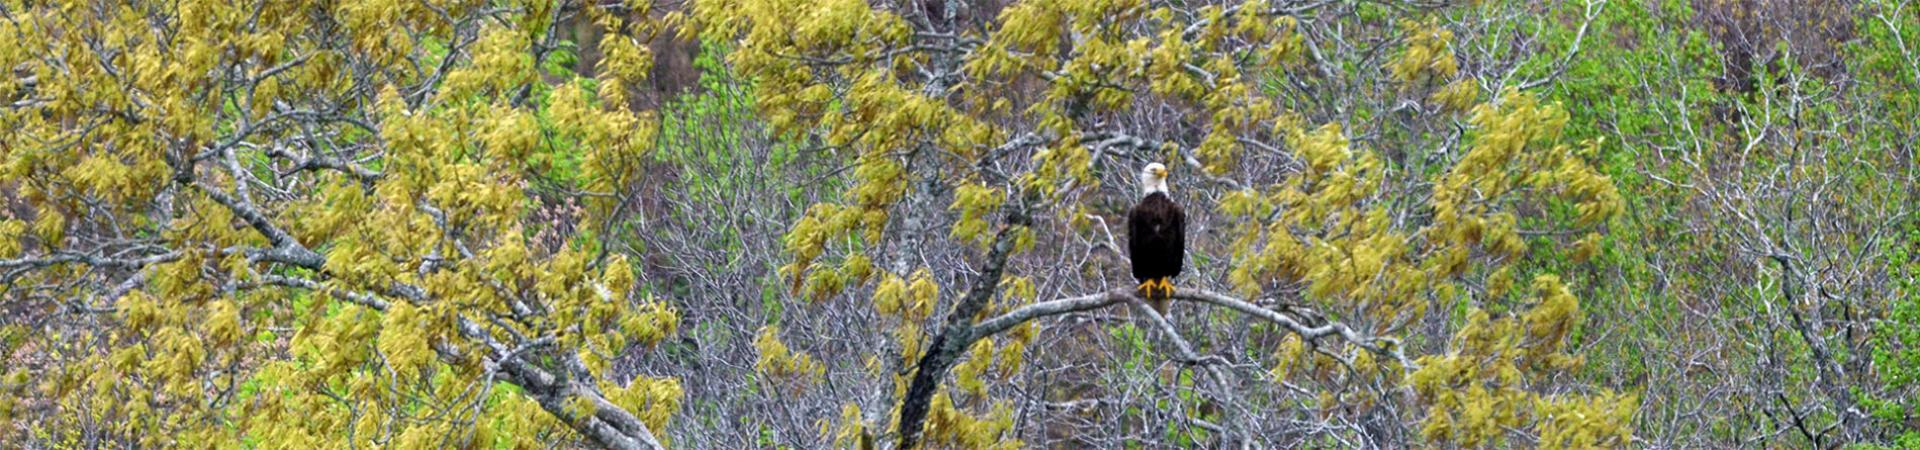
x=898, y=224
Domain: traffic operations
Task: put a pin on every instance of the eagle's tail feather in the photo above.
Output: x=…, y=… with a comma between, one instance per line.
x=1166, y=295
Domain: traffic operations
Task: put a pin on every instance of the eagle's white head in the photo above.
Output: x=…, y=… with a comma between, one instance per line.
x=1153, y=178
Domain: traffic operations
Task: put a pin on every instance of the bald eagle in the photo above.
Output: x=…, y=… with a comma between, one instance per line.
x=1156, y=237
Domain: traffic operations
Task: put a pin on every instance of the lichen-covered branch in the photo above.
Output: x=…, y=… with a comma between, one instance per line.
x=958, y=332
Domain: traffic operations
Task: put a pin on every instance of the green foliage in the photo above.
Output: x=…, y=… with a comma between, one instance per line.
x=1896, y=346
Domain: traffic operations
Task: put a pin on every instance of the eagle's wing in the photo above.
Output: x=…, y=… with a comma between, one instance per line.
x=1178, y=237
x=1137, y=236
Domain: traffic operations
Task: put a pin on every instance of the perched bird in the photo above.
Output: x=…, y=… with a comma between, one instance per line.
x=1156, y=237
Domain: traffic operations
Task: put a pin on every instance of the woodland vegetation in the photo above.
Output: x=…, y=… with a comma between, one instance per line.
x=899, y=224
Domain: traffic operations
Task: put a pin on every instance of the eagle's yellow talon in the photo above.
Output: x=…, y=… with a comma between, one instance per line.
x=1156, y=288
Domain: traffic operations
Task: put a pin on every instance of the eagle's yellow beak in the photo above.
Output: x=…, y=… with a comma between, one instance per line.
x=1160, y=173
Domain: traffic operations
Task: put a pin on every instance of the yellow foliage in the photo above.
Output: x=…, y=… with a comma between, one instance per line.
x=625, y=58
x=967, y=374
x=654, y=400
x=890, y=296
x=1599, y=421
x=922, y=295
x=1474, y=392
x=975, y=202
x=852, y=432
x=796, y=371
x=1457, y=95
x=1429, y=53
x=652, y=322
x=501, y=61
x=1554, y=315
x=417, y=123
x=953, y=427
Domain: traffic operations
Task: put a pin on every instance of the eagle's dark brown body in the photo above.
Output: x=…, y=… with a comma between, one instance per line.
x=1157, y=242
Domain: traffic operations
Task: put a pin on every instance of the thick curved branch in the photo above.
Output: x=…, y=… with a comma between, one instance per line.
x=360, y=298
x=36, y=263
x=285, y=247
x=1384, y=346
x=1016, y=317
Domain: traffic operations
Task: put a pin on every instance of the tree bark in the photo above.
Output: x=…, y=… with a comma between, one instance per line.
x=956, y=335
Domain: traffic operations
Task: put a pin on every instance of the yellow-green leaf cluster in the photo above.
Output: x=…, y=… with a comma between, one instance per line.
x=795, y=371
x=975, y=203
x=1476, y=391
x=1429, y=53
x=950, y=426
